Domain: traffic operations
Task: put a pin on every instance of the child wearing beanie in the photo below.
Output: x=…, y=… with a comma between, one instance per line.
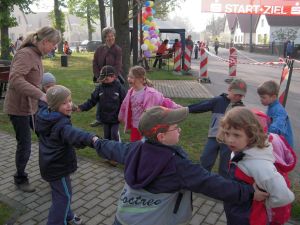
x=57, y=157
x=48, y=81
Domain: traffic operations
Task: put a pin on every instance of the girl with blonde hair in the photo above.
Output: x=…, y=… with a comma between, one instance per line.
x=252, y=161
x=140, y=97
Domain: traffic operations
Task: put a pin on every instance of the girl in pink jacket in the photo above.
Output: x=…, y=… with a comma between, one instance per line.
x=140, y=97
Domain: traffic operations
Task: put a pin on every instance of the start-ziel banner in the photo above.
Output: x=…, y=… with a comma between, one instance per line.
x=267, y=7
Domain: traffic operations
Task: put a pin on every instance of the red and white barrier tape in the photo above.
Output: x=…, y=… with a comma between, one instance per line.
x=280, y=62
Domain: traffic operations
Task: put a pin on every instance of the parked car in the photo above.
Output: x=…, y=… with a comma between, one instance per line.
x=82, y=46
x=74, y=45
x=91, y=46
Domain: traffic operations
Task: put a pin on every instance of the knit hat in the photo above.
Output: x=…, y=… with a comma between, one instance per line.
x=238, y=86
x=56, y=95
x=106, y=71
x=47, y=79
x=158, y=117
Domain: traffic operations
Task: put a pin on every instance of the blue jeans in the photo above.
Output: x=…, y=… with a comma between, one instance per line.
x=210, y=154
x=22, y=125
x=60, y=211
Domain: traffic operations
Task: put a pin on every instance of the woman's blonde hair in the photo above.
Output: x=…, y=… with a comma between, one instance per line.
x=44, y=33
x=242, y=118
x=140, y=73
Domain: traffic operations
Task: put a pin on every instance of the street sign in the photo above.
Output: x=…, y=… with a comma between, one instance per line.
x=266, y=7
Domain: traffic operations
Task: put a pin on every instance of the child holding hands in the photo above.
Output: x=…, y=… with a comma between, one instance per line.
x=57, y=157
x=252, y=161
x=109, y=95
x=159, y=177
x=140, y=97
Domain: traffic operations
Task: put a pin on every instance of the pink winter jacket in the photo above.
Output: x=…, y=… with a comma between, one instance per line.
x=152, y=97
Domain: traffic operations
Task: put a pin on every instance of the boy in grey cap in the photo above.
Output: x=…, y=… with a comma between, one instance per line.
x=218, y=106
x=159, y=177
x=57, y=157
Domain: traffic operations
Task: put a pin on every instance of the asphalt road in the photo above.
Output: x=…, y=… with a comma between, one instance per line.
x=254, y=75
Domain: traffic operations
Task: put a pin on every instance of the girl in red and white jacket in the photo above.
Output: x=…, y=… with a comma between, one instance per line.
x=285, y=162
x=252, y=162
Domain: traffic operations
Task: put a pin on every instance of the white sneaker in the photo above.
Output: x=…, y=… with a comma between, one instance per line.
x=75, y=221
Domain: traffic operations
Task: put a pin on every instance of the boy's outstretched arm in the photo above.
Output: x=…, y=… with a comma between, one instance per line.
x=114, y=150
x=204, y=106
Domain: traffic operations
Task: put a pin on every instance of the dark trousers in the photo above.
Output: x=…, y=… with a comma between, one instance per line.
x=22, y=125
x=98, y=118
x=60, y=211
x=210, y=154
x=111, y=131
x=159, y=59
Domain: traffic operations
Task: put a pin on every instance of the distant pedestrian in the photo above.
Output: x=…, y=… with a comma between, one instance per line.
x=216, y=44
x=290, y=49
x=196, y=51
x=140, y=97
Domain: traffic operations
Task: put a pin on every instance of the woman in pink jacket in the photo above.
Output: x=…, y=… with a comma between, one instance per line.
x=140, y=97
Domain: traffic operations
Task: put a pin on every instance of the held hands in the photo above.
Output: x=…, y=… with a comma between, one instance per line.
x=259, y=195
x=95, y=138
x=43, y=98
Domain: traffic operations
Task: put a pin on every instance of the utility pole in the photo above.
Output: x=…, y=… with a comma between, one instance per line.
x=250, y=42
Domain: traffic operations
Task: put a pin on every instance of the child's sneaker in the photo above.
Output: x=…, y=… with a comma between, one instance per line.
x=75, y=221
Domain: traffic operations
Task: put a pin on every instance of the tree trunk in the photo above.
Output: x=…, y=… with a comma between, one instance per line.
x=5, y=42
x=5, y=50
x=58, y=23
x=88, y=18
x=121, y=24
x=134, y=36
x=102, y=15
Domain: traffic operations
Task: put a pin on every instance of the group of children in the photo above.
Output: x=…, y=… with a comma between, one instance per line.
x=255, y=150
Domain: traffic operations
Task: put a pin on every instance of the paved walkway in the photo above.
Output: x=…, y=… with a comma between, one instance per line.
x=96, y=186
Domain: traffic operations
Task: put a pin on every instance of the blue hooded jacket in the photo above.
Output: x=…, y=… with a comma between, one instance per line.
x=57, y=139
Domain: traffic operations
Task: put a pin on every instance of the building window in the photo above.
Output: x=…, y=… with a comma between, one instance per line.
x=262, y=23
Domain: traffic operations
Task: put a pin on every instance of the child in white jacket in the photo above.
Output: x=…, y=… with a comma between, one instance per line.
x=252, y=162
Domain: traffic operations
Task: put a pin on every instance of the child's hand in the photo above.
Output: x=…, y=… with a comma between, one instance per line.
x=259, y=195
x=95, y=138
x=75, y=108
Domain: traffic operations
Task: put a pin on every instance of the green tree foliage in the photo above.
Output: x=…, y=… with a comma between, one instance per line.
x=86, y=9
x=216, y=25
x=7, y=21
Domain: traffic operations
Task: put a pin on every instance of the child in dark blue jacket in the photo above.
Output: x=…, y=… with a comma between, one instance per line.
x=109, y=95
x=57, y=157
x=159, y=177
x=218, y=106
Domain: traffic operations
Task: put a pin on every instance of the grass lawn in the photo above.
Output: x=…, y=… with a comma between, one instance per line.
x=78, y=77
x=5, y=212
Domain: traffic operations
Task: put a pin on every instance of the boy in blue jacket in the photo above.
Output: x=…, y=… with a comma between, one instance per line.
x=280, y=122
x=159, y=177
x=218, y=106
x=57, y=157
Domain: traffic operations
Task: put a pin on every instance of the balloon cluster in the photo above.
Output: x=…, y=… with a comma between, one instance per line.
x=150, y=30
